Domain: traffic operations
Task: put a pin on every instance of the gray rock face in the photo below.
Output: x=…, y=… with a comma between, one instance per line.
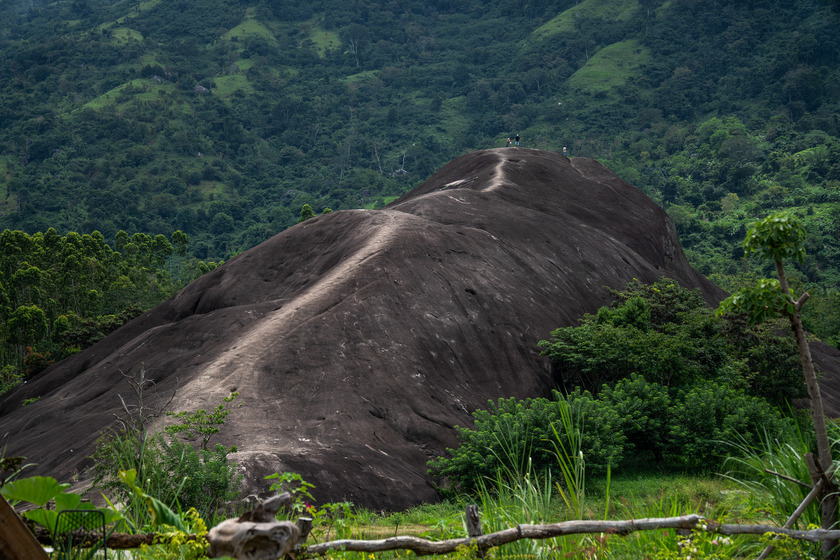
x=359, y=339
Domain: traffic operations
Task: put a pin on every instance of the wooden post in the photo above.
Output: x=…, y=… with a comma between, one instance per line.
x=815, y=491
x=473, y=522
x=305, y=526
x=827, y=498
x=16, y=540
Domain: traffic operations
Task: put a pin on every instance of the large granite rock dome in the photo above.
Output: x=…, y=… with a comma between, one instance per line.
x=359, y=339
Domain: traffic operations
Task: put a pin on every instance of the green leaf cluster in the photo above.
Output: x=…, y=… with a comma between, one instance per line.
x=778, y=237
x=189, y=543
x=762, y=301
x=39, y=491
x=711, y=416
x=633, y=421
x=201, y=423
x=512, y=436
x=668, y=336
x=300, y=490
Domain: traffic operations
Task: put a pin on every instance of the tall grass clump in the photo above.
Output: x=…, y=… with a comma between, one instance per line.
x=521, y=494
x=512, y=435
x=753, y=468
x=513, y=498
x=570, y=461
x=174, y=472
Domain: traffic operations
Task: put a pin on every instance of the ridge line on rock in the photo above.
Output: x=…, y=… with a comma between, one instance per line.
x=283, y=320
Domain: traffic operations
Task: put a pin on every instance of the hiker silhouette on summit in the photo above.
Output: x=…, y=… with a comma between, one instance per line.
x=516, y=140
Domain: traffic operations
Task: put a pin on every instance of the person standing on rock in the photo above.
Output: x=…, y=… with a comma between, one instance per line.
x=508, y=144
x=516, y=140
x=564, y=151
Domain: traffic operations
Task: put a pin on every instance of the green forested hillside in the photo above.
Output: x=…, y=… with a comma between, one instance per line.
x=222, y=118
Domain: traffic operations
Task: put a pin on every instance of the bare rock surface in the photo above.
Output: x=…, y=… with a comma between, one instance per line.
x=359, y=339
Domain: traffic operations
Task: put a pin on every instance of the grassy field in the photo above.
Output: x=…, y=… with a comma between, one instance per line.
x=126, y=34
x=227, y=85
x=610, y=10
x=609, y=67
x=322, y=40
x=250, y=28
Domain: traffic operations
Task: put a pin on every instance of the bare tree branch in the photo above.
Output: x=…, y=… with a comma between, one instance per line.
x=789, y=478
x=423, y=547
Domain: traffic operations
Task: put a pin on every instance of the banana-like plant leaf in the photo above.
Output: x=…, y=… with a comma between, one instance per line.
x=67, y=501
x=36, y=489
x=45, y=517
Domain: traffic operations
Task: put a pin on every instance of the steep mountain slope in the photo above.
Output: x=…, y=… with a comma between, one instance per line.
x=359, y=338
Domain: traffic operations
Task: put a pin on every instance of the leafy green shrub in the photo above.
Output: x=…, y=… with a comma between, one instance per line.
x=513, y=436
x=696, y=428
x=175, y=473
x=643, y=409
x=294, y=484
x=661, y=331
x=201, y=423
x=710, y=416
x=208, y=478
x=667, y=335
x=768, y=364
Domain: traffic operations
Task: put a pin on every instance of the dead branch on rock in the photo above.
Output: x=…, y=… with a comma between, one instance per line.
x=137, y=416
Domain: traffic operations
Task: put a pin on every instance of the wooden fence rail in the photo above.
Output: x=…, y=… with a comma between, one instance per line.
x=483, y=543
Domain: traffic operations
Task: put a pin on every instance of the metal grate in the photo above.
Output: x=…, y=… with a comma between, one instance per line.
x=79, y=533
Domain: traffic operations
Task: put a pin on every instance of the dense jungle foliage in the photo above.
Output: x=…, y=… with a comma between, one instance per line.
x=655, y=378
x=222, y=119
x=60, y=294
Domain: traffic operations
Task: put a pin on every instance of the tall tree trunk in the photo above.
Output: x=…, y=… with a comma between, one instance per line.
x=828, y=507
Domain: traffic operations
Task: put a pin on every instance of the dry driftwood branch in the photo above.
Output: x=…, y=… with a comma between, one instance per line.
x=491, y=540
x=423, y=547
x=812, y=535
x=788, y=478
x=256, y=535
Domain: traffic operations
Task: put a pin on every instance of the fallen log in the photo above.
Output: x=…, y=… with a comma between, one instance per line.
x=116, y=541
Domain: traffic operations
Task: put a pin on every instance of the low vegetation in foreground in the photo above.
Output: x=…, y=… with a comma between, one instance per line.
x=741, y=491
